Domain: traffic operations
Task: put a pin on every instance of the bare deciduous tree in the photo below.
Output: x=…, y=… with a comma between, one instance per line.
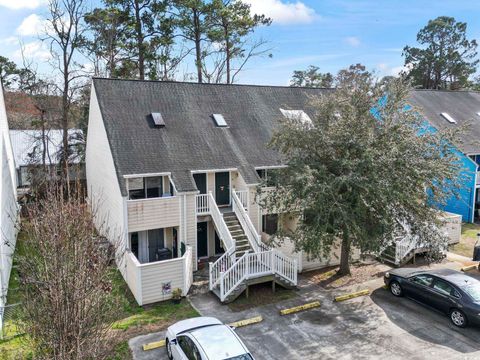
x=66, y=34
x=65, y=275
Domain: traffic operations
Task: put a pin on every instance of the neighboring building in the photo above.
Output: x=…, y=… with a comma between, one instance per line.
x=9, y=207
x=28, y=149
x=172, y=174
x=449, y=110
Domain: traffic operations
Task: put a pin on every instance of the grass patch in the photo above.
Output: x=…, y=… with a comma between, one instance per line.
x=261, y=294
x=467, y=240
x=121, y=352
x=163, y=313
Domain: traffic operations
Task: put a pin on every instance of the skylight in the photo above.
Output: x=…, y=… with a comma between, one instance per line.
x=447, y=117
x=219, y=120
x=297, y=115
x=158, y=119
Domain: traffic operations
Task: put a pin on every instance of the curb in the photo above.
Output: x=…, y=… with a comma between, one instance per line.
x=300, y=308
x=251, y=321
x=154, y=345
x=469, y=267
x=352, y=295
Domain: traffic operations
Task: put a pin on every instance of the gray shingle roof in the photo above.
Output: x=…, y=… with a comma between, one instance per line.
x=190, y=140
x=463, y=106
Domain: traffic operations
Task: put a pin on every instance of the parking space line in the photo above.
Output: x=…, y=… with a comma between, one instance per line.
x=352, y=295
x=300, y=308
x=154, y=345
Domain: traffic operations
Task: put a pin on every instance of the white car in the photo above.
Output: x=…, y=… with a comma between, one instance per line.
x=204, y=338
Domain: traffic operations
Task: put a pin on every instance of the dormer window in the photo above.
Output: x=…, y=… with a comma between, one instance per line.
x=447, y=117
x=158, y=119
x=219, y=120
x=297, y=115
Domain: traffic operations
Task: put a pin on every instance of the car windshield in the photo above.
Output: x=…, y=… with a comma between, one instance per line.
x=241, y=357
x=473, y=291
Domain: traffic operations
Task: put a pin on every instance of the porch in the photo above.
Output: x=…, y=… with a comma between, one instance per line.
x=154, y=281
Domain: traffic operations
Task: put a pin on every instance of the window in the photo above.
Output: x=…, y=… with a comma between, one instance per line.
x=154, y=186
x=424, y=280
x=447, y=117
x=156, y=245
x=189, y=348
x=268, y=176
x=219, y=120
x=443, y=287
x=134, y=243
x=136, y=189
x=143, y=188
x=158, y=119
x=270, y=224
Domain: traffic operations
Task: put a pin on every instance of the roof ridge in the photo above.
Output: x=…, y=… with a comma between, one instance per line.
x=213, y=84
x=448, y=90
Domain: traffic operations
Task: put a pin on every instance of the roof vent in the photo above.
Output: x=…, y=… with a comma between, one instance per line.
x=158, y=119
x=219, y=120
x=297, y=115
x=447, y=117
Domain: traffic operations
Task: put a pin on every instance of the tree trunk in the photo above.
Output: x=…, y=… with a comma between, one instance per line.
x=227, y=52
x=345, y=255
x=198, y=48
x=140, y=45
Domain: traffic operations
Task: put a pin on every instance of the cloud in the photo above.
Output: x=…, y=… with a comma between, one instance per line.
x=33, y=50
x=32, y=25
x=11, y=40
x=283, y=12
x=353, y=41
x=22, y=4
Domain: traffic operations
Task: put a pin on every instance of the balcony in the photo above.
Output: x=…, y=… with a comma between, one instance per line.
x=162, y=212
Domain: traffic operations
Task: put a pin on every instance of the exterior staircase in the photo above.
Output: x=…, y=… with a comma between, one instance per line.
x=247, y=260
x=242, y=245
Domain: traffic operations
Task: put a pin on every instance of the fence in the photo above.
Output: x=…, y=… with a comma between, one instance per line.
x=10, y=321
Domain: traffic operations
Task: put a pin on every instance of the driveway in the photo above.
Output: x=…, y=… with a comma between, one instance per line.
x=371, y=327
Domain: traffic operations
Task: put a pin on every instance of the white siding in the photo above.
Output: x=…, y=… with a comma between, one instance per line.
x=153, y=213
x=190, y=232
x=453, y=227
x=146, y=281
x=102, y=183
x=8, y=203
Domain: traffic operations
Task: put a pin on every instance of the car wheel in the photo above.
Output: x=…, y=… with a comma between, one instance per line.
x=396, y=289
x=458, y=318
x=169, y=349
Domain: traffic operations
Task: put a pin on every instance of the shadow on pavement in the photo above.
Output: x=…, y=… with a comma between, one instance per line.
x=425, y=323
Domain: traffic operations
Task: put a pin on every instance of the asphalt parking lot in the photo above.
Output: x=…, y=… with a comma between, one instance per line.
x=378, y=326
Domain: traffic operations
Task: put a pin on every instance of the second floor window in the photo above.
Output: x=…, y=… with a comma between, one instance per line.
x=145, y=188
x=268, y=176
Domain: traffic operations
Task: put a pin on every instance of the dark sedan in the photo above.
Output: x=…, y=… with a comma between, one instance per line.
x=446, y=290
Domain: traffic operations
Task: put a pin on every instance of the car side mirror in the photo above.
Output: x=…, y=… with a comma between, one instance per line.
x=233, y=328
x=174, y=341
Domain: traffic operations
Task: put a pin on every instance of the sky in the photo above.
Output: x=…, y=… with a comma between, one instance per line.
x=330, y=34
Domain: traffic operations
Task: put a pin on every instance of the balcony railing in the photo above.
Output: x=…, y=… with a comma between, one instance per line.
x=203, y=204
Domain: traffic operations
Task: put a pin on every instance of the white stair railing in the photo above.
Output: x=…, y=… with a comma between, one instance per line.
x=220, y=224
x=254, y=265
x=222, y=264
x=285, y=266
x=233, y=277
x=404, y=247
x=247, y=225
